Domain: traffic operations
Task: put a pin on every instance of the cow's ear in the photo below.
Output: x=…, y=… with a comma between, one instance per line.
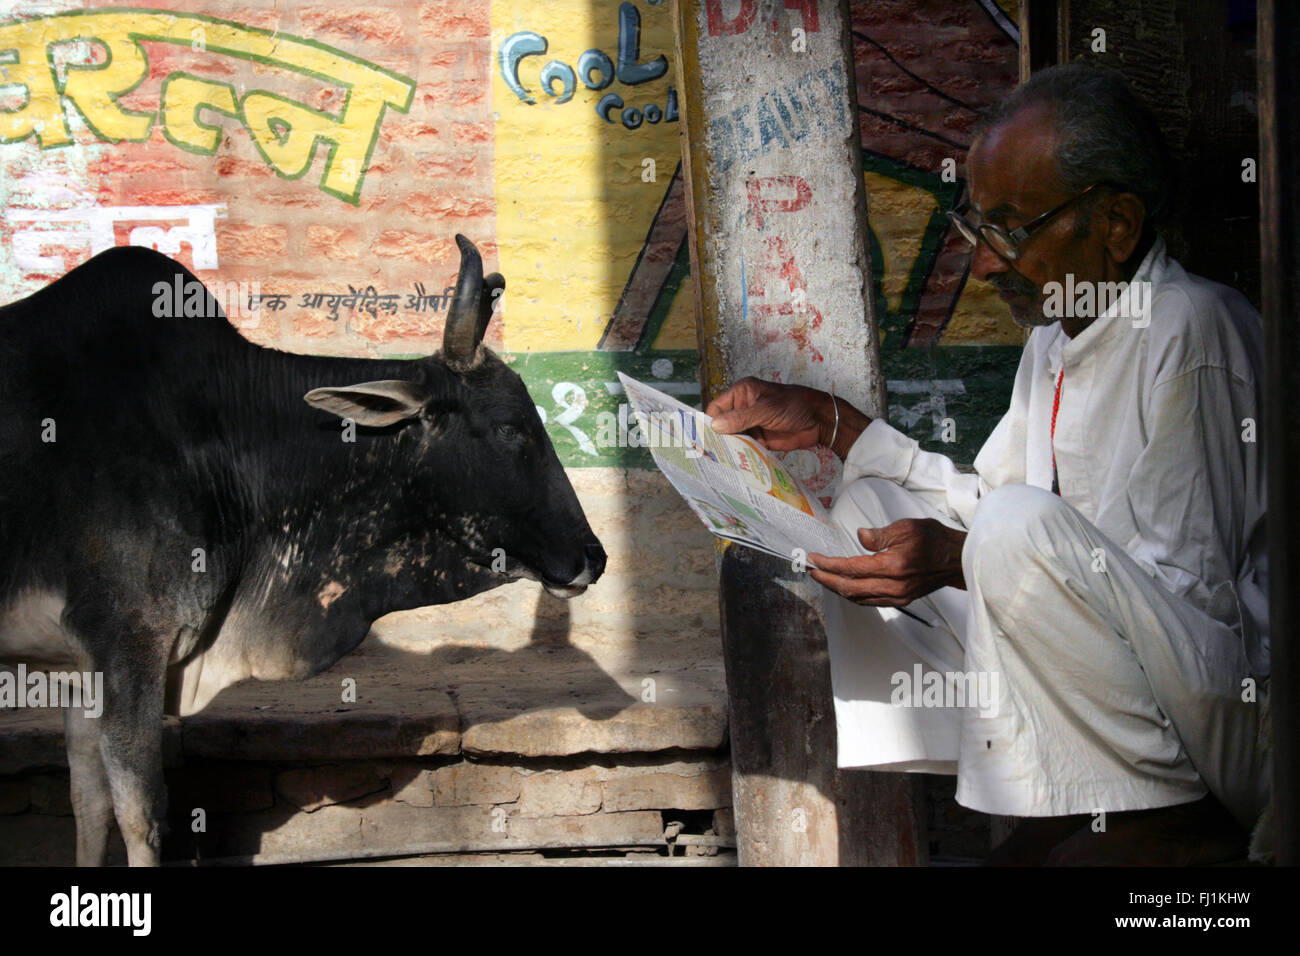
x=371, y=403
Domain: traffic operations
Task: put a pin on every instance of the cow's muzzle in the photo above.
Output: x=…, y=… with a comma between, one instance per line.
x=593, y=568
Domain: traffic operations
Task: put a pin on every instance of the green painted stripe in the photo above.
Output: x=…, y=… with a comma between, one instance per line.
x=583, y=380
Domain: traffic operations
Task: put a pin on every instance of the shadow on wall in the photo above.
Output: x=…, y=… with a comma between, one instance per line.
x=485, y=685
x=264, y=752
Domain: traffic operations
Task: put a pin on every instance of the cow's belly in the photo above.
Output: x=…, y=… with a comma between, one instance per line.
x=31, y=631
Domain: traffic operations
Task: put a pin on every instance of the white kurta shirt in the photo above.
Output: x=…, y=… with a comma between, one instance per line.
x=1156, y=442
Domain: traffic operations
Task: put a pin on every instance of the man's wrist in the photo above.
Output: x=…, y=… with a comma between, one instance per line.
x=956, y=545
x=852, y=423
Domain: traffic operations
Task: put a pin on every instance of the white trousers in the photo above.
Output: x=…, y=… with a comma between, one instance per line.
x=1101, y=690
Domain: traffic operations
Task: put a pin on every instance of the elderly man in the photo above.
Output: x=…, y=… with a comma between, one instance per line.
x=1101, y=575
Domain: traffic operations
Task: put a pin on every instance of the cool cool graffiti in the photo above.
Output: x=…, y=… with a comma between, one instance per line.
x=629, y=71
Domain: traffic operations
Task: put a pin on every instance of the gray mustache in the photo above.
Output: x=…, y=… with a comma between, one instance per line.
x=1013, y=285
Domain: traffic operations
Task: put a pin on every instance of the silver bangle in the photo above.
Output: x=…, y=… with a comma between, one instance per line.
x=836, y=406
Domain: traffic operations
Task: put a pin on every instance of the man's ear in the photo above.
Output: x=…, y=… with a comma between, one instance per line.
x=1126, y=217
x=371, y=403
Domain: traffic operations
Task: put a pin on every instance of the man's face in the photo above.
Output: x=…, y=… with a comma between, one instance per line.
x=1012, y=181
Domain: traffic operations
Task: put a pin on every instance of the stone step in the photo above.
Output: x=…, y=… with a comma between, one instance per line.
x=546, y=700
x=248, y=812
x=538, y=748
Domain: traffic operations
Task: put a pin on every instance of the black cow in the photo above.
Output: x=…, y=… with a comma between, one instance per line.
x=175, y=516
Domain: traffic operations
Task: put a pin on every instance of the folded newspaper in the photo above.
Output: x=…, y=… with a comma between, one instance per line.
x=740, y=490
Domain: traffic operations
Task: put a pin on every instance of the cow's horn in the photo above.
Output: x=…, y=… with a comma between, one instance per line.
x=459, y=340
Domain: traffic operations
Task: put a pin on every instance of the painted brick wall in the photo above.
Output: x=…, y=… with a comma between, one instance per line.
x=557, y=196
x=430, y=174
x=949, y=347
x=571, y=194
x=924, y=67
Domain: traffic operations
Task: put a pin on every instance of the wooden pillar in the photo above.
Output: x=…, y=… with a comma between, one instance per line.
x=1044, y=35
x=777, y=226
x=1279, y=169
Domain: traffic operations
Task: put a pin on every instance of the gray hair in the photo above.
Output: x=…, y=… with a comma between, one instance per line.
x=1107, y=135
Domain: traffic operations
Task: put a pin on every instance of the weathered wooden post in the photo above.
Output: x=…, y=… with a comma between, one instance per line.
x=779, y=256
x=1279, y=165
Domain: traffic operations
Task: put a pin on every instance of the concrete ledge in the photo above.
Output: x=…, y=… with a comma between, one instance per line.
x=542, y=701
x=33, y=740
x=534, y=749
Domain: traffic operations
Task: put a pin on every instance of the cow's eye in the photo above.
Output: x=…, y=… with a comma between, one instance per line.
x=508, y=433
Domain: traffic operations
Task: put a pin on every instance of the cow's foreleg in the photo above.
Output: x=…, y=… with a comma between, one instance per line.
x=131, y=747
x=92, y=800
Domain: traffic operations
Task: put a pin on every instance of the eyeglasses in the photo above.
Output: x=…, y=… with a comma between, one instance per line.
x=1006, y=243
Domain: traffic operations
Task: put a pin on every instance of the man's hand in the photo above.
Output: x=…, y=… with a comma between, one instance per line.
x=915, y=557
x=786, y=417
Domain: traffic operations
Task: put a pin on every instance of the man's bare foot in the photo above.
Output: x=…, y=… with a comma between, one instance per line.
x=1188, y=834
x=1032, y=840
